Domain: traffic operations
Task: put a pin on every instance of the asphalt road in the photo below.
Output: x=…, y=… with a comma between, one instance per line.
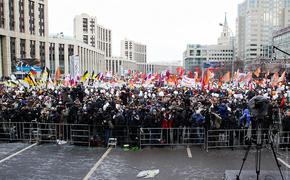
x=71, y=162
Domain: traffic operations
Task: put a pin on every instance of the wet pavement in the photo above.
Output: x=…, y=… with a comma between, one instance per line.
x=6, y=149
x=175, y=164
x=50, y=162
x=56, y=162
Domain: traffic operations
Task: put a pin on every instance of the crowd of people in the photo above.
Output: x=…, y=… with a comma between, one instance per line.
x=140, y=107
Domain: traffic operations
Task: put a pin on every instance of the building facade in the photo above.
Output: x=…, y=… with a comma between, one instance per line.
x=217, y=55
x=119, y=65
x=23, y=33
x=88, y=31
x=134, y=51
x=61, y=50
x=256, y=22
x=281, y=40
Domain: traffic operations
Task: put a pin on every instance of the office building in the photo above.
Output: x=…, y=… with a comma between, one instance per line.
x=88, y=31
x=23, y=33
x=256, y=22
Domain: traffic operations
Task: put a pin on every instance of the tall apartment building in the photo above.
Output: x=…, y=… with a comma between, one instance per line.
x=23, y=33
x=256, y=22
x=88, y=31
x=134, y=51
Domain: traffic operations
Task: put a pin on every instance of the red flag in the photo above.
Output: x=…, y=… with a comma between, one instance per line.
x=182, y=72
x=227, y=77
x=206, y=78
x=282, y=102
x=190, y=74
x=57, y=74
x=167, y=74
x=178, y=70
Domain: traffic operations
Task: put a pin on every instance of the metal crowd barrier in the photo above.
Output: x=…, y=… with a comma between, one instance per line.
x=80, y=134
x=44, y=132
x=171, y=136
x=232, y=138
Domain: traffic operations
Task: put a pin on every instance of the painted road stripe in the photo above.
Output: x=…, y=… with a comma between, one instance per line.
x=284, y=163
x=97, y=164
x=189, y=152
x=15, y=154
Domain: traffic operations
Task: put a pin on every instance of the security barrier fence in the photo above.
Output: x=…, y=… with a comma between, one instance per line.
x=171, y=136
x=93, y=135
x=79, y=134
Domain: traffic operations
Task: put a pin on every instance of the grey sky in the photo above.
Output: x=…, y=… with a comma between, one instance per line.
x=165, y=26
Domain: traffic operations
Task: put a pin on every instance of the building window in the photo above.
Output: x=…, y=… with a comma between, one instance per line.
x=13, y=54
x=85, y=25
x=32, y=49
x=22, y=48
x=92, y=26
x=93, y=41
x=42, y=53
x=85, y=39
x=21, y=16
x=31, y=18
x=52, y=57
x=61, y=57
x=2, y=17
x=11, y=15
x=41, y=20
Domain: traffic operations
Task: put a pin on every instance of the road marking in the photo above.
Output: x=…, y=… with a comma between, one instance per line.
x=15, y=154
x=97, y=164
x=283, y=162
x=189, y=152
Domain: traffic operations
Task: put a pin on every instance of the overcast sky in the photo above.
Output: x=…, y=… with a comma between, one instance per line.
x=165, y=26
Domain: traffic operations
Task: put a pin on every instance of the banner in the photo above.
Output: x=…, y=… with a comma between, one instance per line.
x=28, y=68
x=187, y=82
x=74, y=66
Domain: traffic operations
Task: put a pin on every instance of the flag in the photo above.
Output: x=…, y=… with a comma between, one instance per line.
x=178, y=70
x=257, y=72
x=85, y=76
x=274, y=79
x=57, y=74
x=190, y=74
x=29, y=80
x=236, y=75
x=282, y=78
x=227, y=77
x=45, y=74
x=33, y=70
x=93, y=75
x=206, y=78
x=282, y=103
x=248, y=77
x=182, y=72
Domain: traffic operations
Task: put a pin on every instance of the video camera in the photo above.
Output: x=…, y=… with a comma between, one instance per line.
x=259, y=107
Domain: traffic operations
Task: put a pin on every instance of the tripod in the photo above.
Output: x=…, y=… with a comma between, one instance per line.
x=259, y=146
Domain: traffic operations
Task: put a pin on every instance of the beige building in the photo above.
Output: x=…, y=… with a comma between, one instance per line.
x=87, y=30
x=256, y=22
x=62, y=49
x=134, y=51
x=23, y=33
x=119, y=65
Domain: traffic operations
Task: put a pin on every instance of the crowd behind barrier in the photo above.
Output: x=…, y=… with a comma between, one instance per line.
x=138, y=116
